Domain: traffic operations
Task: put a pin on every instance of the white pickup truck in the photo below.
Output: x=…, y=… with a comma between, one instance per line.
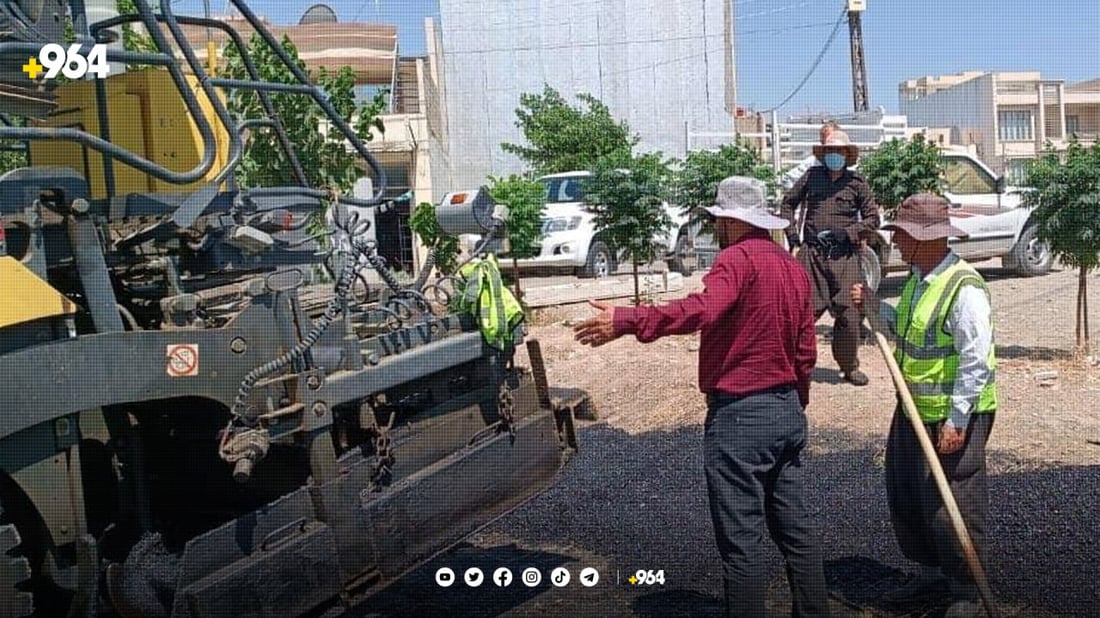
x=993, y=214
x=569, y=237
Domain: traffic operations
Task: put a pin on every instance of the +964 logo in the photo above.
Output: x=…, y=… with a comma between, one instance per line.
x=53, y=59
x=647, y=577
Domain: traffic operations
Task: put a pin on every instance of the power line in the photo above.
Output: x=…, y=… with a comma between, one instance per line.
x=816, y=24
x=817, y=61
x=580, y=19
x=781, y=9
x=575, y=45
x=359, y=11
x=692, y=56
x=717, y=50
x=672, y=39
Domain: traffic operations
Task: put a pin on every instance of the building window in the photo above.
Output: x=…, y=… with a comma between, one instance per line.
x=1016, y=171
x=1015, y=125
x=1073, y=124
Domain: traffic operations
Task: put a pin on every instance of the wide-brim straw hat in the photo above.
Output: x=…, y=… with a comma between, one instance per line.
x=742, y=197
x=838, y=142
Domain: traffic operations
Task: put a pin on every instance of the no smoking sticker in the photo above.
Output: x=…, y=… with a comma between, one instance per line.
x=183, y=360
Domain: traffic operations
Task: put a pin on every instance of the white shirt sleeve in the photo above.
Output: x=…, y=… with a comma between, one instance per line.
x=969, y=325
x=889, y=316
x=788, y=179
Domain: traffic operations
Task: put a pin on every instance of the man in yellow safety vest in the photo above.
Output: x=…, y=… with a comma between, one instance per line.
x=944, y=330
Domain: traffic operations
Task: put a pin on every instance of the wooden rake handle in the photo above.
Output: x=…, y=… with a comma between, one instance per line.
x=933, y=460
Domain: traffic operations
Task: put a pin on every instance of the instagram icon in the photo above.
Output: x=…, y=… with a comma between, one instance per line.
x=531, y=577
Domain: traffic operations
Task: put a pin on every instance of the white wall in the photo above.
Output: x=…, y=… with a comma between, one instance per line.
x=963, y=108
x=657, y=64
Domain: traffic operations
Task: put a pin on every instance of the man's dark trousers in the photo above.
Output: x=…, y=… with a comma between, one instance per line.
x=921, y=523
x=832, y=279
x=752, y=449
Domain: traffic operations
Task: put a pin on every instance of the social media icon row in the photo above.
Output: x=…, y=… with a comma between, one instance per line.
x=530, y=577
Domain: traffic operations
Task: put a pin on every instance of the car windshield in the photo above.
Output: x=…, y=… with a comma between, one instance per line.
x=561, y=190
x=965, y=178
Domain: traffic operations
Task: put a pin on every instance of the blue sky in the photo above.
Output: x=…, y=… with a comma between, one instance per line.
x=778, y=40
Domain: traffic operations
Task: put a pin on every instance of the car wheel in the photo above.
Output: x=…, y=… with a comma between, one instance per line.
x=682, y=260
x=1031, y=256
x=601, y=262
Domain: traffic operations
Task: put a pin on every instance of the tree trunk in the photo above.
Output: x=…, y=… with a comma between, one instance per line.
x=515, y=273
x=637, y=293
x=1081, y=330
x=1085, y=311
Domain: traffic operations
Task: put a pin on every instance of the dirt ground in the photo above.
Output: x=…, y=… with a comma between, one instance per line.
x=635, y=498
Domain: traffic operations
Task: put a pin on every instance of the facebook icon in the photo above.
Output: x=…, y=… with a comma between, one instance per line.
x=502, y=577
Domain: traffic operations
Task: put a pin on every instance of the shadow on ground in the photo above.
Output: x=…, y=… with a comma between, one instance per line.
x=1035, y=353
x=630, y=502
x=827, y=375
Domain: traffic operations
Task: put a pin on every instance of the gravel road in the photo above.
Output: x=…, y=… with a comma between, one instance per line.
x=634, y=498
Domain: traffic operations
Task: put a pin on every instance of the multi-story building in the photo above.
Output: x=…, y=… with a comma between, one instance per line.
x=663, y=66
x=1005, y=117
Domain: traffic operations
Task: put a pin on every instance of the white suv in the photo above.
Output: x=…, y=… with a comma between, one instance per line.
x=569, y=238
x=982, y=205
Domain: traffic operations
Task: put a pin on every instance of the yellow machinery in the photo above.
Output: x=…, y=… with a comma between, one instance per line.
x=25, y=297
x=147, y=117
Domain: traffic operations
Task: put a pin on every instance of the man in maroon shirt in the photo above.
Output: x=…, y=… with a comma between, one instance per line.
x=756, y=352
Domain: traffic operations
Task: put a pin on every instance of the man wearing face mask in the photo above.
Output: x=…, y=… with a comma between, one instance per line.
x=788, y=179
x=838, y=211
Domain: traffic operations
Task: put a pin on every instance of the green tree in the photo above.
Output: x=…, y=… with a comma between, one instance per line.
x=696, y=182
x=423, y=223
x=900, y=168
x=15, y=155
x=321, y=149
x=525, y=200
x=562, y=137
x=627, y=193
x=323, y=153
x=1065, y=193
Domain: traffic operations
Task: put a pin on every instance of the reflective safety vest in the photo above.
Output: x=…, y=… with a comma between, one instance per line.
x=483, y=295
x=926, y=354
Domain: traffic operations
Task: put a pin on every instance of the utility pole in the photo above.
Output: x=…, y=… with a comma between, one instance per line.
x=730, y=72
x=859, y=68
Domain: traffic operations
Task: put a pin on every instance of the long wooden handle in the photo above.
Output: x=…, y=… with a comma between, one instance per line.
x=937, y=472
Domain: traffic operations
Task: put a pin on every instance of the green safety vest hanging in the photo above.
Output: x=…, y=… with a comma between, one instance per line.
x=926, y=354
x=482, y=294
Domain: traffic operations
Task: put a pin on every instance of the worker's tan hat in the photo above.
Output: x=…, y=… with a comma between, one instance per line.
x=838, y=142
x=924, y=217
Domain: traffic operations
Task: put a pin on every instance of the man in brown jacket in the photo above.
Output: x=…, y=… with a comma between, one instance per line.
x=838, y=209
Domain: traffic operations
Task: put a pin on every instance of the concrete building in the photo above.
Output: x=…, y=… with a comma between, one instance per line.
x=1005, y=117
x=663, y=66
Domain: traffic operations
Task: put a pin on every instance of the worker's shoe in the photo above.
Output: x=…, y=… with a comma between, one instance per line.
x=927, y=581
x=856, y=377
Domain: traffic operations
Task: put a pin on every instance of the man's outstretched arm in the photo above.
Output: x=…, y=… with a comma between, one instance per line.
x=680, y=317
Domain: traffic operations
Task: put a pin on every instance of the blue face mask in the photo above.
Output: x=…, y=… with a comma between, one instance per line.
x=834, y=161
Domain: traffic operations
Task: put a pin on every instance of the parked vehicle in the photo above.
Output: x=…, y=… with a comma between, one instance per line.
x=993, y=214
x=570, y=239
x=982, y=204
